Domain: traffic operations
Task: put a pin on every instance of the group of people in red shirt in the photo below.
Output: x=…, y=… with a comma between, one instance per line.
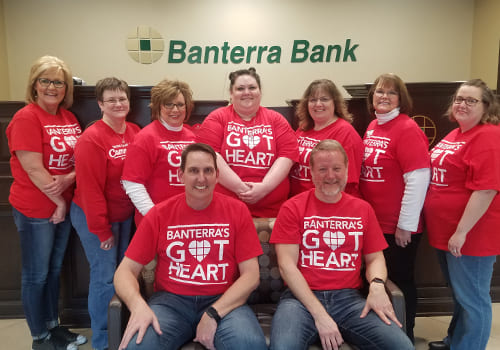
x=260, y=161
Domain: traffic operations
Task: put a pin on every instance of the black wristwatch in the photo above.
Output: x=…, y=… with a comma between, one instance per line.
x=212, y=313
x=377, y=280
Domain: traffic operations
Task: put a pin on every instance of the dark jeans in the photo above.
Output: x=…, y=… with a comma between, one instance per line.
x=179, y=316
x=43, y=245
x=401, y=270
x=293, y=327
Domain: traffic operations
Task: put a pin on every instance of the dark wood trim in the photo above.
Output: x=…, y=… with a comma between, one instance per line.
x=430, y=102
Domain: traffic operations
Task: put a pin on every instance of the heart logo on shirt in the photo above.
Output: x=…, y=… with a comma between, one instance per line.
x=334, y=239
x=251, y=141
x=199, y=249
x=368, y=152
x=70, y=141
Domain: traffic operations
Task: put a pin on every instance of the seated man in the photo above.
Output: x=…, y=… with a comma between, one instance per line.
x=322, y=236
x=207, y=267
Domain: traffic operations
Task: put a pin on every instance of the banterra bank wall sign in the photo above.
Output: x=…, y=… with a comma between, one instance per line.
x=146, y=45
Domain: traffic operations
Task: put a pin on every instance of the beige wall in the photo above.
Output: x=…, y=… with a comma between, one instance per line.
x=486, y=41
x=4, y=67
x=426, y=40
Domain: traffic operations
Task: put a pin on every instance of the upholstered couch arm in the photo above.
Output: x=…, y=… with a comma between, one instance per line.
x=398, y=302
x=118, y=316
x=263, y=300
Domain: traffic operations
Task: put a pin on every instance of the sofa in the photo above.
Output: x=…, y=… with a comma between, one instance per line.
x=263, y=300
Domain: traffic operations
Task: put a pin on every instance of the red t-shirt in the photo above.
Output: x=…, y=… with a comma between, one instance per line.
x=153, y=160
x=198, y=250
x=250, y=149
x=463, y=163
x=332, y=238
x=391, y=150
x=54, y=136
x=343, y=132
x=99, y=156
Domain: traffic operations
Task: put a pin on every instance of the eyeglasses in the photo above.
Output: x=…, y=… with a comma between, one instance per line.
x=173, y=105
x=58, y=84
x=114, y=101
x=390, y=93
x=469, y=101
x=313, y=101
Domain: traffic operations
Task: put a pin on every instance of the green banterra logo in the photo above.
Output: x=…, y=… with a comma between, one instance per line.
x=145, y=44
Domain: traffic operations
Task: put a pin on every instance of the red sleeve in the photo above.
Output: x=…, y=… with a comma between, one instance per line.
x=139, y=162
x=212, y=129
x=483, y=161
x=142, y=248
x=25, y=133
x=373, y=240
x=286, y=140
x=90, y=166
x=287, y=228
x=413, y=148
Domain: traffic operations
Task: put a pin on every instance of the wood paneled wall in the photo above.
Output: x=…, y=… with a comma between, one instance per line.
x=430, y=103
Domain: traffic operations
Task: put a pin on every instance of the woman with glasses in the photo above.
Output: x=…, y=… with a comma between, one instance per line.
x=42, y=137
x=394, y=178
x=101, y=212
x=462, y=212
x=256, y=147
x=150, y=172
x=322, y=114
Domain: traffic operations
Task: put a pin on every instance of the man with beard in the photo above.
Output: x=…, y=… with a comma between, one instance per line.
x=322, y=238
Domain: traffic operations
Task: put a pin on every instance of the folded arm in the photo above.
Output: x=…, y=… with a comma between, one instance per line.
x=32, y=163
x=276, y=174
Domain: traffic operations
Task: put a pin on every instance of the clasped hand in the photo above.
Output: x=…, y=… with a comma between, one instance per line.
x=256, y=191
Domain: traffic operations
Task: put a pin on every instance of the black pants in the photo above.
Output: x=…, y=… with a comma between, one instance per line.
x=401, y=270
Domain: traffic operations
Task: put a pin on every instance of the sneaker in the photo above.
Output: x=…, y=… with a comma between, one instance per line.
x=66, y=335
x=52, y=343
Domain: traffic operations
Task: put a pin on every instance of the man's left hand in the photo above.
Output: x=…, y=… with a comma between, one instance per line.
x=205, y=332
x=379, y=302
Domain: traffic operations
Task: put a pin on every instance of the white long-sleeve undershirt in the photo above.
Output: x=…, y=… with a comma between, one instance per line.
x=139, y=196
x=416, y=183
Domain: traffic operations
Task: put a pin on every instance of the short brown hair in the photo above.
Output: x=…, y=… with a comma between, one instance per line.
x=40, y=66
x=330, y=146
x=492, y=106
x=390, y=79
x=113, y=84
x=197, y=147
x=302, y=112
x=167, y=90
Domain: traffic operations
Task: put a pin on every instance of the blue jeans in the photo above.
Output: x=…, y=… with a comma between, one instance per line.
x=469, y=278
x=293, y=326
x=102, y=264
x=179, y=316
x=43, y=245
